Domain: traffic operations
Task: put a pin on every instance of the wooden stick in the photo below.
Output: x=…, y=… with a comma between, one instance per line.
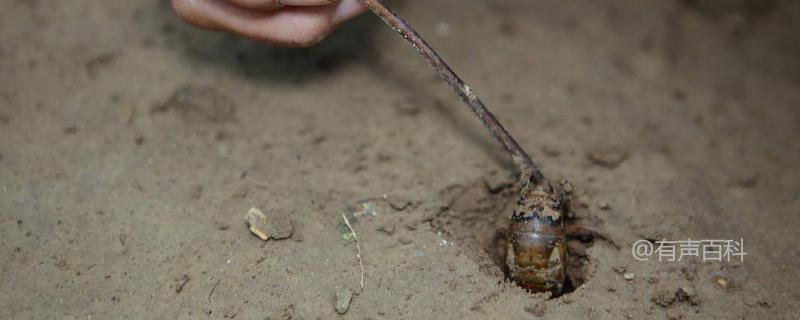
x=526, y=166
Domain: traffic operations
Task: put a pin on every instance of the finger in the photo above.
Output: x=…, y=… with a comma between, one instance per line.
x=347, y=9
x=274, y=4
x=290, y=26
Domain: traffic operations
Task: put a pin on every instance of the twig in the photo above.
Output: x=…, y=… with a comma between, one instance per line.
x=358, y=255
x=212, y=289
x=526, y=166
x=184, y=280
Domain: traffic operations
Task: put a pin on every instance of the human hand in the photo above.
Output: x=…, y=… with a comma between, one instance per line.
x=292, y=23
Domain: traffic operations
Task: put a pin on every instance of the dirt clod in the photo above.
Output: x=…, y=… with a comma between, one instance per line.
x=269, y=226
x=620, y=269
x=389, y=230
x=663, y=297
x=537, y=309
x=343, y=297
x=398, y=203
x=608, y=156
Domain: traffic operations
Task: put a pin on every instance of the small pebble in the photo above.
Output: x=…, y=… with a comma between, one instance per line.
x=684, y=294
x=629, y=276
x=343, y=297
x=603, y=205
x=721, y=282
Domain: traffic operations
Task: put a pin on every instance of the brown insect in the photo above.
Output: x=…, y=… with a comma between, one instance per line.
x=536, y=239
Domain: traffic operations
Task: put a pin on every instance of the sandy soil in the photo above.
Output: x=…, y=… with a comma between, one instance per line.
x=132, y=146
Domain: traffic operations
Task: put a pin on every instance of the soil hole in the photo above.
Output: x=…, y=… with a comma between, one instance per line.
x=477, y=217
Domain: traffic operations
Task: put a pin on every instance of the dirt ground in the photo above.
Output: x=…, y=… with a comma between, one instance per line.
x=133, y=145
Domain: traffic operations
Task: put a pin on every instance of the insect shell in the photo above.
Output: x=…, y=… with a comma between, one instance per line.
x=536, y=250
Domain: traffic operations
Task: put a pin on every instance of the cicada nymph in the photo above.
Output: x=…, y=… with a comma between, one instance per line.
x=536, y=243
